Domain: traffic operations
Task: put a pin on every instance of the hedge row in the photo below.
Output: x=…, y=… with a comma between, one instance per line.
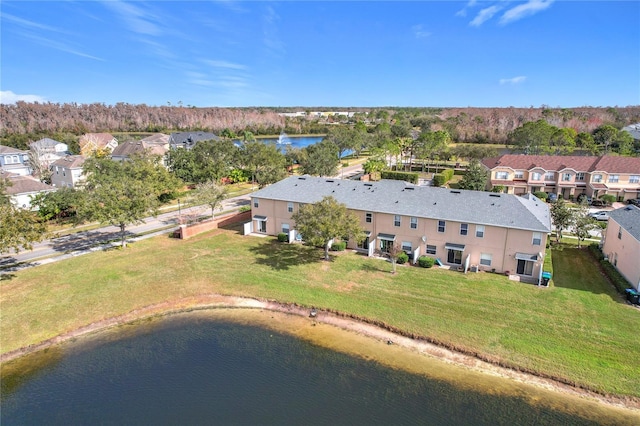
x=406, y=176
x=439, y=179
x=620, y=282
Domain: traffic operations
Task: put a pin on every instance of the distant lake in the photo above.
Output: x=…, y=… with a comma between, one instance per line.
x=190, y=369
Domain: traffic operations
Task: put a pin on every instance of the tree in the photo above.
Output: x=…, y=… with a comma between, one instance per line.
x=57, y=205
x=583, y=224
x=532, y=137
x=264, y=162
x=321, y=222
x=431, y=145
x=475, y=177
x=585, y=141
x=321, y=159
x=213, y=160
x=623, y=143
x=123, y=193
x=604, y=135
x=211, y=194
x=562, y=217
x=20, y=228
x=344, y=138
x=562, y=141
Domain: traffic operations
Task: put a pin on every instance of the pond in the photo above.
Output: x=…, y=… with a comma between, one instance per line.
x=205, y=368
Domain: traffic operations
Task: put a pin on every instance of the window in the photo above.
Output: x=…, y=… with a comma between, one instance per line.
x=537, y=238
x=535, y=176
x=285, y=228
x=580, y=176
x=485, y=259
x=256, y=203
x=620, y=233
x=480, y=231
x=566, y=177
x=364, y=244
x=549, y=176
x=613, y=178
x=518, y=175
x=406, y=246
x=597, y=178
x=368, y=217
x=634, y=179
x=441, y=226
x=290, y=207
x=464, y=228
x=502, y=175
x=431, y=249
x=414, y=223
x=396, y=220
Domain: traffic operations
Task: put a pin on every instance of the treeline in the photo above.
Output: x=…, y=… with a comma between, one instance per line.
x=50, y=118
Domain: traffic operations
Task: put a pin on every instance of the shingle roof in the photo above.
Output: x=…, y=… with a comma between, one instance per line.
x=159, y=138
x=10, y=150
x=629, y=219
x=26, y=184
x=611, y=164
x=189, y=139
x=546, y=162
x=45, y=143
x=397, y=197
x=70, y=161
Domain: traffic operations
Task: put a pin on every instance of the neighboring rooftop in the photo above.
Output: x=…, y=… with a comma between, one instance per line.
x=25, y=184
x=604, y=163
x=70, y=161
x=10, y=150
x=189, y=139
x=398, y=197
x=629, y=219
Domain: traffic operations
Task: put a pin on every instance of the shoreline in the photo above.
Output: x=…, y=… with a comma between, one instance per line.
x=378, y=332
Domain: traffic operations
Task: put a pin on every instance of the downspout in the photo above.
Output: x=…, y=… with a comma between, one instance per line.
x=504, y=251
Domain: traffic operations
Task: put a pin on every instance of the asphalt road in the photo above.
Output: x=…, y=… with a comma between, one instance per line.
x=98, y=239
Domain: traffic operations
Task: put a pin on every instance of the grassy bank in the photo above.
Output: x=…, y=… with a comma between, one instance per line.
x=579, y=330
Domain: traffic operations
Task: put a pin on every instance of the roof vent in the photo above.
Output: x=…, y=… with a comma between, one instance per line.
x=329, y=180
x=409, y=188
x=368, y=184
x=494, y=195
x=302, y=178
x=455, y=192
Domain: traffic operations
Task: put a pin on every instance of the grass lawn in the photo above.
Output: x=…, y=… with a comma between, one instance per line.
x=579, y=329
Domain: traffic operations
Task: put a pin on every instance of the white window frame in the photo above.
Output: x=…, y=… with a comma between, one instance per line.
x=580, y=176
x=368, y=217
x=550, y=176
x=597, y=178
x=566, y=177
x=406, y=246
x=479, y=231
x=431, y=249
x=536, y=239
x=397, y=220
x=256, y=203
x=613, y=178
x=502, y=175
x=485, y=259
x=634, y=179
x=290, y=207
x=442, y=225
x=536, y=176
x=519, y=174
x=414, y=223
x=464, y=229
x=285, y=228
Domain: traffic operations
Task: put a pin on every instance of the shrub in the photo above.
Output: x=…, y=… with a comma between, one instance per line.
x=448, y=174
x=339, y=246
x=402, y=258
x=426, y=261
x=243, y=209
x=283, y=238
x=619, y=282
x=542, y=195
x=406, y=176
x=438, y=179
x=608, y=198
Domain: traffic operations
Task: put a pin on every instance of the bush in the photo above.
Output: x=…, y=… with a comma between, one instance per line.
x=339, y=246
x=406, y=176
x=619, y=282
x=542, y=195
x=283, y=238
x=243, y=209
x=438, y=179
x=426, y=261
x=448, y=174
x=402, y=258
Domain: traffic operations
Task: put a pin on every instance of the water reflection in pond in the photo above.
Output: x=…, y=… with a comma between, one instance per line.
x=192, y=369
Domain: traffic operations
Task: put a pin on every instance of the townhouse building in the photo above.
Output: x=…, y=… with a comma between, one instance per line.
x=67, y=172
x=622, y=243
x=566, y=176
x=472, y=230
x=13, y=160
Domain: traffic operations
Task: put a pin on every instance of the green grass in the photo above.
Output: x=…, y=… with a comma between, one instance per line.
x=578, y=330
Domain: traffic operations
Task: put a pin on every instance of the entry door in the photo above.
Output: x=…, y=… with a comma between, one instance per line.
x=262, y=226
x=455, y=257
x=385, y=246
x=525, y=267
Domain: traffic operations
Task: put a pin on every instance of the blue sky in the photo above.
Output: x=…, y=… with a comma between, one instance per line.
x=330, y=53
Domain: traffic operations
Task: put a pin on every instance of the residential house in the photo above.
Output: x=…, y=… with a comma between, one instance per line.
x=126, y=149
x=23, y=188
x=566, y=176
x=467, y=229
x=188, y=140
x=92, y=142
x=67, y=172
x=622, y=243
x=14, y=160
x=49, y=150
x=634, y=130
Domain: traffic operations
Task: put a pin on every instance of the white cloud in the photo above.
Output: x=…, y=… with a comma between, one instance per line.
x=484, y=15
x=8, y=97
x=225, y=64
x=270, y=30
x=31, y=24
x=419, y=32
x=469, y=5
x=138, y=20
x=531, y=7
x=514, y=80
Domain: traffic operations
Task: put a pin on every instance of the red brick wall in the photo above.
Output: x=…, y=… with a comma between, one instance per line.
x=188, y=231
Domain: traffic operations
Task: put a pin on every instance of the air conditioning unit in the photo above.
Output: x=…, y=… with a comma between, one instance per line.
x=474, y=268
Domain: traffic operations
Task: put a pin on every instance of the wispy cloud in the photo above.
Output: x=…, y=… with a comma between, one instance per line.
x=420, y=32
x=25, y=23
x=225, y=64
x=270, y=30
x=138, y=20
x=60, y=45
x=529, y=8
x=513, y=81
x=469, y=5
x=8, y=97
x=484, y=15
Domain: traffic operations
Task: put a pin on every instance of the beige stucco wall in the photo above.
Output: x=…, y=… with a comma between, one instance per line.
x=623, y=253
x=501, y=243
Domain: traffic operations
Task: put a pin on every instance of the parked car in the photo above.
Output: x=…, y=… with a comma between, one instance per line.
x=601, y=215
x=553, y=197
x=598, y=203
